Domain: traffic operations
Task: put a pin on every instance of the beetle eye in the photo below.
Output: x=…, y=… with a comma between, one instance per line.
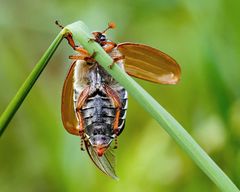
x=103, y=38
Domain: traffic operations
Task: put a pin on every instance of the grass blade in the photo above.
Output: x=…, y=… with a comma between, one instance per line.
x=16, y=102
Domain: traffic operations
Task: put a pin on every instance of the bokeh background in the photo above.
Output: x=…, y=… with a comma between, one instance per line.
x=37, y=154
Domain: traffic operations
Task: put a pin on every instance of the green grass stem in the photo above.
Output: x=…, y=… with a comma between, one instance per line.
x=16, y=102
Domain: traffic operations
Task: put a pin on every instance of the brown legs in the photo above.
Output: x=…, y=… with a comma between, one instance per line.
x=81, y=100
x=117, y=103
x=84, y=55
x=109, y=46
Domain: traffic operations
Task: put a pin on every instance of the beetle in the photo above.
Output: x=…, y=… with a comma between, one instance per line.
x=94, y=104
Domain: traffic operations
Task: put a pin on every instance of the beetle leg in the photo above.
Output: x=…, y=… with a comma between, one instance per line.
x=68, y=36
x=115, y=143
x=71, y=42
x=93, y=54
x=91, y=40
x=115, y=60
x=113, y=95
x=109, y=46
x=81, y=101
x=58, y=24
x=81, y=145
x=78, y=57
x=81, y=50
x=85, y=57
x=74, y=46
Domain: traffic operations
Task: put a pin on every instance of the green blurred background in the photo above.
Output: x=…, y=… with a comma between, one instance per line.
x=37, y=154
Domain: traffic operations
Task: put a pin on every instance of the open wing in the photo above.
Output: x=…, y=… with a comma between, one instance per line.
x=150, y=64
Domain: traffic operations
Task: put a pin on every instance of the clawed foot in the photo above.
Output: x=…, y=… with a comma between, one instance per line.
x=91, y=40
x=82, y=149
x=115, y=143
x=94, y=54
x=115, y=60
x=58, y=24
x=111, y=65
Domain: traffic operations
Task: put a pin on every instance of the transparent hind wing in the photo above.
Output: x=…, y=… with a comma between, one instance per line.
x=105, y=163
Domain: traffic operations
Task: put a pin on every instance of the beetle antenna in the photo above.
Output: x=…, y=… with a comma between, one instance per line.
x=111, y=25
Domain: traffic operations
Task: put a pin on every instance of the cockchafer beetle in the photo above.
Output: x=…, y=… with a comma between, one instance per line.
x=94, y=105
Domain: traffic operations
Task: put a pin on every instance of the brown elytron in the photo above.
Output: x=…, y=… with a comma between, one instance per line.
x=94, y=105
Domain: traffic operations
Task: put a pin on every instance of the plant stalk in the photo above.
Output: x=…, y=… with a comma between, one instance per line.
x=16, y=102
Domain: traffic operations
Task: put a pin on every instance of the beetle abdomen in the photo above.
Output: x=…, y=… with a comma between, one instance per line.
x=99, y=113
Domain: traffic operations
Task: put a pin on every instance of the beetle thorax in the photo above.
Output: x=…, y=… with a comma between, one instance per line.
x=97, y=76
x=91, y=75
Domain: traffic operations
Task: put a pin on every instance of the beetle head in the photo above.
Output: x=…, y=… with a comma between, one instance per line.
x=100, y=37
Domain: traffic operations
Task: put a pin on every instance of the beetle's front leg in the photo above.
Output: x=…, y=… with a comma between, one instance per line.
x=74, y=46
x=71, y=42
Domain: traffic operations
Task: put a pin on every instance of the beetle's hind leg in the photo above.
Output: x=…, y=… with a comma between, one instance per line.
x=81, y=145
x=81, y=101
x=113, y=95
